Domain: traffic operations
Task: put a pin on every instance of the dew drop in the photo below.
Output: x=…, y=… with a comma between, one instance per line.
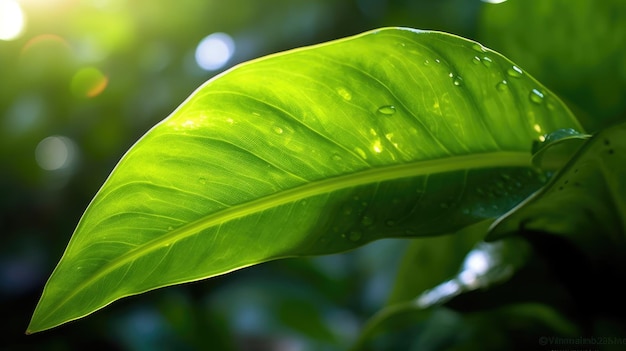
x=202, y=180
x=278, y=130
x=514, y=72
x=487, y=61
x=344, y=93
x=536, y=96
x=479, y=48
x=387, y=110
x=476, y=60
x=437, y=61
x=457, y=81
x=367, y=221
x=502, y=86
x=361, y=153
x=354, y=235
x=336, y=157
x=426, y=62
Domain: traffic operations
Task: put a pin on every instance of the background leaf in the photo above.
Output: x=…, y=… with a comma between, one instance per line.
x=392, y=133
x=580, y=56
x=587, y=196
x=429, y=261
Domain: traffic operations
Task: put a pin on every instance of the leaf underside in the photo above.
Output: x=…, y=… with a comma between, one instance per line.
x=391, y=133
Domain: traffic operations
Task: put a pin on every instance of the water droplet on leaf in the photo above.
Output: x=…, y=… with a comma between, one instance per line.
x=387, y=110
x=278, y=130
x=536, y=96
x=502, y=86
x=361, y=153
x=476, y=60
x=479, y=48
x=345, y=94
x=457, y=81
x=515, y=72
x=487, y=61
x=336, y=157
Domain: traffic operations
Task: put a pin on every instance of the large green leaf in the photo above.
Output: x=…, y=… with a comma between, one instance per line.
x=394, y=132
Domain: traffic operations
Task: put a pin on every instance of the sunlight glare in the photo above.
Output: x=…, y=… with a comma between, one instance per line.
x=214, y=51
x=11, y=20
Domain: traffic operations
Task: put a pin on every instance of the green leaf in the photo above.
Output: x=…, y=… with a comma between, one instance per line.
x=395, y=132
x=558, y=147
x=585, y=201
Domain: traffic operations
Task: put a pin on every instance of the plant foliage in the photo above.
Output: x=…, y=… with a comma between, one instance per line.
x=391, y=133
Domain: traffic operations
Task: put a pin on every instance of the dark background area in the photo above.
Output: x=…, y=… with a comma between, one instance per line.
x=86, y=78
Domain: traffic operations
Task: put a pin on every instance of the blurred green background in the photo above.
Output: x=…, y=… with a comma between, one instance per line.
x=82, y=80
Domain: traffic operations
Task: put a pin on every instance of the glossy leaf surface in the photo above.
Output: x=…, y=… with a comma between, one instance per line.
x=395, y=132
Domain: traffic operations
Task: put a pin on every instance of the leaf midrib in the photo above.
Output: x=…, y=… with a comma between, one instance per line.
x=498, y=159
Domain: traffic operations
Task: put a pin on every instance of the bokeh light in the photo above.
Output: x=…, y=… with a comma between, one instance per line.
x=55, y=153
x=89, y=82
x=12, y=20
x=214, y=51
